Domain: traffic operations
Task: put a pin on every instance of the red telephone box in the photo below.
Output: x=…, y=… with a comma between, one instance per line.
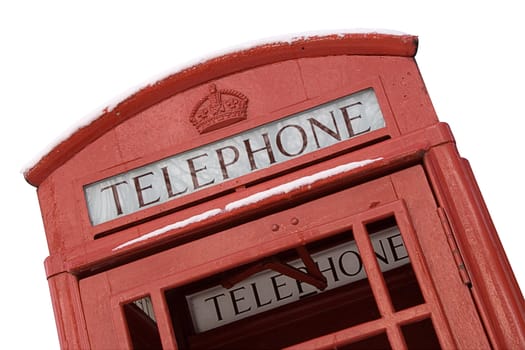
x=298, y=195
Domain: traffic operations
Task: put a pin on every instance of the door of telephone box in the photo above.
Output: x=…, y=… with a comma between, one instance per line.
x=371, y=266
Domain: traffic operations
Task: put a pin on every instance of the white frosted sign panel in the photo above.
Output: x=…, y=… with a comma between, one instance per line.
x=235, y=156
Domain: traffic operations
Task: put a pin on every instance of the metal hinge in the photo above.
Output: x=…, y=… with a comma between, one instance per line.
x=454, y=247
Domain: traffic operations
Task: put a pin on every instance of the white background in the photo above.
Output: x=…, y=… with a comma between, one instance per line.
x=63, y=60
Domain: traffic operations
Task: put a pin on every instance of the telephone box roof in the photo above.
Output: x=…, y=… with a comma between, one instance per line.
x=360, y=43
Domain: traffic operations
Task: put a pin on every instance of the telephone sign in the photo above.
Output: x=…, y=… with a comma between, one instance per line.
x=235, y=156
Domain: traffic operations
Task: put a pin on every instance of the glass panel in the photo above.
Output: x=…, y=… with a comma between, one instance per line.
x=269, y=309
x=420, y=335
x=390, y=251
x=142, y=325
x=376, y=342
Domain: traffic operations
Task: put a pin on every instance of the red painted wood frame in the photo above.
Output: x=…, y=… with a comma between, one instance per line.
x=404, y=194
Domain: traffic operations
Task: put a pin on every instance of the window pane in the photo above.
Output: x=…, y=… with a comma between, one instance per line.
x=270, y=309
x=390, y=251
x=142, y=325
x=420, y=335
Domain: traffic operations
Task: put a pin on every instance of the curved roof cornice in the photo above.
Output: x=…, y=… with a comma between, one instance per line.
x=376, y=44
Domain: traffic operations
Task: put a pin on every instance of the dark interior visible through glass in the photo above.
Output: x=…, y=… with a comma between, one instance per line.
x=376, y=342
x=314, y=314
x=420, y=335
x=142, y=325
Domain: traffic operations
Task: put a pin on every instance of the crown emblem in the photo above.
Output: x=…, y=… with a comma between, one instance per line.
x=218, y=109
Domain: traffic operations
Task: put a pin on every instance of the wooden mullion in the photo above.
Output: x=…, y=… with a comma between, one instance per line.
x=162, y=316
x=363, y=330
x=373, y=272
x=395, y=337
x=424, y=279
x=378, y=285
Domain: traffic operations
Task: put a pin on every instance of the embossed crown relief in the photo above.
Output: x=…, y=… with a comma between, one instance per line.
x=218, y=109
